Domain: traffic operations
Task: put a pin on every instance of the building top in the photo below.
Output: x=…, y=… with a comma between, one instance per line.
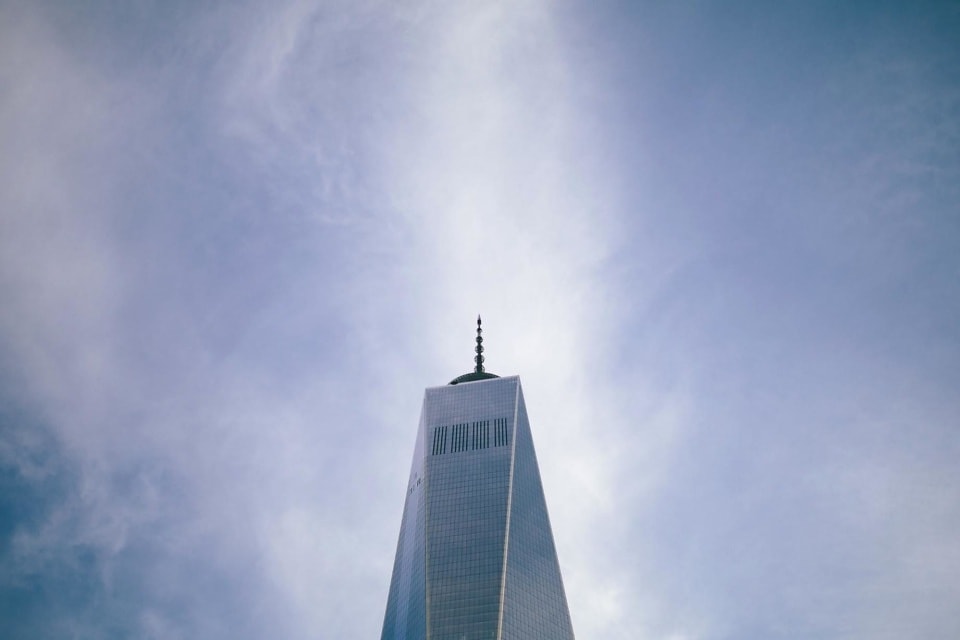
x=478, y=372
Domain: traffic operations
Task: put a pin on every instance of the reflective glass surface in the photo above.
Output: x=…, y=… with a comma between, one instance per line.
x=534, y=603
x=406, y=615
x=473, y=465
x=468, y=488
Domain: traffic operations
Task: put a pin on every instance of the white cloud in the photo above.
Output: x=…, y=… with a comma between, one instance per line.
x=60, y=279
x=228, y=331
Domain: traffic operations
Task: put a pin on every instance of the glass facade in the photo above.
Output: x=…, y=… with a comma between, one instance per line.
x=475, y=557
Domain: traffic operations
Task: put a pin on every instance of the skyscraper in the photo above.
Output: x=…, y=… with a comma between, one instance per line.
x=475, y=558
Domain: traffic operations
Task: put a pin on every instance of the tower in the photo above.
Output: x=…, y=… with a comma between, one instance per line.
x=475, y=556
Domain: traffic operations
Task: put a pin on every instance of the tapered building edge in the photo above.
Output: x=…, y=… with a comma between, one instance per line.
x=532, y=602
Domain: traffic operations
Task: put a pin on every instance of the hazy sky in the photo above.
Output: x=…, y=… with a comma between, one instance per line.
x=718, y=241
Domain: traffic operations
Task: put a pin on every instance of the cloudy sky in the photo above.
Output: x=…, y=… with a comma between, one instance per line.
x=718, y=241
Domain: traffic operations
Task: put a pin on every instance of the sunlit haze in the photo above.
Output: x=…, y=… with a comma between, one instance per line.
x=719, y=242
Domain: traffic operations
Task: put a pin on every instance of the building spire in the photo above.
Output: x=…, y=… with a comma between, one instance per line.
x=479, y=358
x=478, y=373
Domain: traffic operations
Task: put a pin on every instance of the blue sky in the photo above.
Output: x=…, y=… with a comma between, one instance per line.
x=718, y=242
